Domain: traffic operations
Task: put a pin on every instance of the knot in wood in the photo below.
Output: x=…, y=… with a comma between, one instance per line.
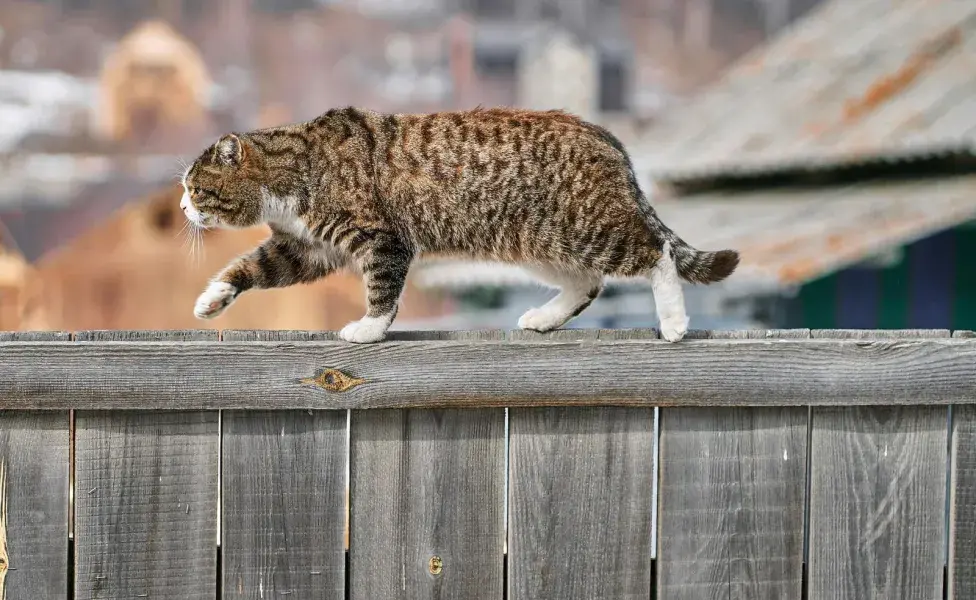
x=435, y=565
x=334, y=380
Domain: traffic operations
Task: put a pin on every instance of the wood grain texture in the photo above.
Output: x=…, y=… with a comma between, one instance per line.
x=878, y=499
x=732, y=493
x=523, y=372
x=580, y=503
x=146, y=501
x=427, y=484
x=962, y=505
x=34, y=505
x=284, y=500
x=34, y=497
x=35, y=336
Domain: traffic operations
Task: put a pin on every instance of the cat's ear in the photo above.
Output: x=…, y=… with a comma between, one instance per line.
x=229, y=151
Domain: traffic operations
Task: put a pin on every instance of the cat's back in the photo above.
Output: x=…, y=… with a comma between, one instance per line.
x=495, y=131
x=490, y=149
x=482, y=142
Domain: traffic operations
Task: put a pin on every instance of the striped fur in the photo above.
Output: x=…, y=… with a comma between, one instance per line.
x=371, y=191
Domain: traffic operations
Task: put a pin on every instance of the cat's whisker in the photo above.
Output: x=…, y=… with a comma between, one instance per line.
x=198, y=250
x=182, y=171
x=184, y=235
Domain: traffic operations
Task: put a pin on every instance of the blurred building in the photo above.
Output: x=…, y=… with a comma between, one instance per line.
x=14, y=274
x=841, y=160
x=100, y=100
x=138, y=269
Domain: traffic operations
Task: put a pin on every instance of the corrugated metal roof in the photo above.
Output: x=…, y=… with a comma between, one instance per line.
x=855, y=81
x=786, y=237
x=793, y=237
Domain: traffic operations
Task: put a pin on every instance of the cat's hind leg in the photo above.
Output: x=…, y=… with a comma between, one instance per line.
x=577, y=290
x=668, y=297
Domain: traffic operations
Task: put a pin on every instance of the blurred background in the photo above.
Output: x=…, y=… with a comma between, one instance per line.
x=830, y=141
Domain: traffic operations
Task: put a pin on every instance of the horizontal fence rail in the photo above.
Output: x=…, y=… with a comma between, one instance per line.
x=246, y=370
x=581, y=464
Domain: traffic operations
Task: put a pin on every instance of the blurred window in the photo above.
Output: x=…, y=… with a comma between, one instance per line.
x=284, y=5
x=493, y=8
x=613, y=85
x=496, y=64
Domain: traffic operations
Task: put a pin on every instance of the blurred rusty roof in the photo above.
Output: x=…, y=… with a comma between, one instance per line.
x=854, y=81
x=789, y=238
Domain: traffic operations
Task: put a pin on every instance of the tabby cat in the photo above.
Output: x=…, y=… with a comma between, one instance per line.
x=373, y=192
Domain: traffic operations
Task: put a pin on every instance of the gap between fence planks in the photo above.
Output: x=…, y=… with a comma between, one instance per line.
x=603, y=368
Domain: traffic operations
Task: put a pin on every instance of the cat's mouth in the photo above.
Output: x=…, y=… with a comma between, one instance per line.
x=197, y=218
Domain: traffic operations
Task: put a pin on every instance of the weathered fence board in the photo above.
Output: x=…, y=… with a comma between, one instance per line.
x=740, y=448
x=427, y=499
x=403, y=374
x=33, y=505
x=962, y=523
x=33, y=498
x=877, y=498
x=580, y=503
x=283, y=481
x=146, y=498
x=733, y=484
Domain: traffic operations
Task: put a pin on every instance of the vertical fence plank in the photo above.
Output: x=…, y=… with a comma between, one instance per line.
x=146, y=497
x=33, y=497
x=425, y=484
x=426, y=502
x=283, y=476
x=877, y=496
x=962, y=525
x=580, y=500
x=962, y=501
x=733, y=487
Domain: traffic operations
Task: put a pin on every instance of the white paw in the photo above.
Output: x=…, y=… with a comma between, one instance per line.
x=217, y=297
x=674, y=328
x=541, y=319
x=365, y=331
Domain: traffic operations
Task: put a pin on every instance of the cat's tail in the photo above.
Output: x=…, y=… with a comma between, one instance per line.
x=696, y=266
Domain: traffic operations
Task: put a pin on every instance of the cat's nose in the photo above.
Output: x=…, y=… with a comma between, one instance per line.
x=183, y=202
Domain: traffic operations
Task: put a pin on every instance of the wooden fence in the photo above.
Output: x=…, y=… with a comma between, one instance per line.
x=821, y=465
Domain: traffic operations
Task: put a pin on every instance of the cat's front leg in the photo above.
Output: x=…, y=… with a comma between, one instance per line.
x=278, y=262
x=215, y=299
x=384, y=263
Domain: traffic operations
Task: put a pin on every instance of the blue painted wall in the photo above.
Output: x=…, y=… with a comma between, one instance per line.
x=933, y=286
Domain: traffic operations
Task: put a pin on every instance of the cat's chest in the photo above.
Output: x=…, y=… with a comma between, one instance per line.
x=294, y=227
x=317, y=250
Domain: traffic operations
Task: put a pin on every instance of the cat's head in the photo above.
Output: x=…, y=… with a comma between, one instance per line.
x=223, y=187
